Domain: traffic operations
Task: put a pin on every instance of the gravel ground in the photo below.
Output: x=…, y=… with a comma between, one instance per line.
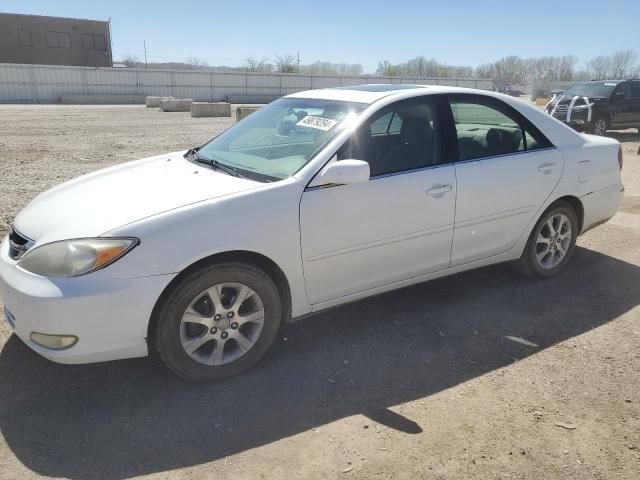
x=463, y=377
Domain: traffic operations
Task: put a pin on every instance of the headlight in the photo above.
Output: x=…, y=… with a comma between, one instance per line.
x=70, y=258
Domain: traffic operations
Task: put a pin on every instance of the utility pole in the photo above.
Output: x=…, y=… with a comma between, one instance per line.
x=146, y=64
x=298, y=62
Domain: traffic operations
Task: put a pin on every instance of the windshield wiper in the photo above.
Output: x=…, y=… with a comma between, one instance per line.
x=226, y=168
x=212, y=162
x=193, y=153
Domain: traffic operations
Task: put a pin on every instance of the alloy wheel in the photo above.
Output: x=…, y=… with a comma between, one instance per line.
x=222, y=323
x=600, y=127
x=553, y=241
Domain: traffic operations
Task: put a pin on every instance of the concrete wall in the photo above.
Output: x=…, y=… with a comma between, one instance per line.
x=45, y=83
x=33, y=39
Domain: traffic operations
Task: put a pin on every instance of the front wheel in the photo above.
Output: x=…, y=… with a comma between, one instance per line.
x=218, y=321
x=599, y=126
x=551, y=243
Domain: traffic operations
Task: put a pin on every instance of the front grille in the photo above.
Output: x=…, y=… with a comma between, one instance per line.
x=18, y=244
x=562, y=109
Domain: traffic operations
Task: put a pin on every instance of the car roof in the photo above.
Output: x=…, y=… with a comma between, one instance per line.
x=560, y=134
x=381, y=87
x=369, y=93
x=605, y=81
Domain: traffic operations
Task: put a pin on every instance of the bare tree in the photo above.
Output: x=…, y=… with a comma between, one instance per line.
x=599, y=68
x=286, y=64
x=422, y=67
x=196, y=63
x=328, y=68
x=486, y=70
x=349, y=69
x=567, y=67
x=386, y=68
x=252, y=64
x=506, y=72
x=130, y=60
x=623, y=63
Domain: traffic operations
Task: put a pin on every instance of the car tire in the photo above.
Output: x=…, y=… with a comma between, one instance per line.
x=195, y=334
x=599, y=126
x=551, y=243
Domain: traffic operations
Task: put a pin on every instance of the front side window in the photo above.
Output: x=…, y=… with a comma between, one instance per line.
x=387, y=124
x=487, y=127
x=634, y=87
x=58, y=39
x=24, y=38
x=402, y=137
x=280, y=138
x=621, y=91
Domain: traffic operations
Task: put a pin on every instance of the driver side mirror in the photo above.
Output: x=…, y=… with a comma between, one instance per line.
x=343, y=172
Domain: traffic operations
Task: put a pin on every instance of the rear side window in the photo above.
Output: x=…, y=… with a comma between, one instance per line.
x=487, y=127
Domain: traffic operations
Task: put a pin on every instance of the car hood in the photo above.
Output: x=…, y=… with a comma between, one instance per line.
x=567, y=100
x=93, y=204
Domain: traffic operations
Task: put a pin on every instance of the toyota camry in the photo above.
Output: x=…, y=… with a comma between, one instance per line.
x=320, y=198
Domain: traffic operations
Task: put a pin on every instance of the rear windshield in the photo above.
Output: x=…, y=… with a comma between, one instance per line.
x=591, y=89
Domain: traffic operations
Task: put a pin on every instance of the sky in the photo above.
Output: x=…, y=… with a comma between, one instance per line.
x=460, y=32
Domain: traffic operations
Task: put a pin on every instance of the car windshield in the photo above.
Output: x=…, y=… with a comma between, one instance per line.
x=591, y=89
x=280, y=138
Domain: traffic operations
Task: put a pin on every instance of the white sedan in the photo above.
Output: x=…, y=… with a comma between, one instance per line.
x=318, y=199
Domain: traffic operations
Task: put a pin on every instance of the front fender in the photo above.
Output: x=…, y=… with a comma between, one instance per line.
x=264, y=221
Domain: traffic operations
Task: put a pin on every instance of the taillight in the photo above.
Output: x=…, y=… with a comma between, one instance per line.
x=620, y=159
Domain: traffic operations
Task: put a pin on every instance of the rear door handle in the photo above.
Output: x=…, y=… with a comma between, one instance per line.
x=546, y=168
x=439, y=190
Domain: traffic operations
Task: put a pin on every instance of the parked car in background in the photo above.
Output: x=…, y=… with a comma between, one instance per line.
x=598, y=106
x=317, y=199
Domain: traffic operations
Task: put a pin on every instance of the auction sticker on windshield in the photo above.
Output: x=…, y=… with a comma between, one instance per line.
x=317, y=122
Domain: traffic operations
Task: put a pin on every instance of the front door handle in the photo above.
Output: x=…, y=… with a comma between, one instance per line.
x=439, y=190
x=546, y=168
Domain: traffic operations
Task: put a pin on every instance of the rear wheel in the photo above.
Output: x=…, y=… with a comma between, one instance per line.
x=551, y=243
x=218, y=321
x=599, y=126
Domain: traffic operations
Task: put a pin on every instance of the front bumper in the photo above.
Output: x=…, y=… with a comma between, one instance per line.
x=109, y=316
x=579, y=119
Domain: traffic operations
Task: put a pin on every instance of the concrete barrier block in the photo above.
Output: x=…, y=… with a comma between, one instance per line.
x=244, y=111
x=154, y=102
x=205, y=109
x=176, y=105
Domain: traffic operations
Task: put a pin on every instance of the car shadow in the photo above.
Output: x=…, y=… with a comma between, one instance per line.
x=624, y=136
x=120, y=419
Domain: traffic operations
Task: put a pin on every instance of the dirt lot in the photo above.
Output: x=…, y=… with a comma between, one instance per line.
x=463, y=377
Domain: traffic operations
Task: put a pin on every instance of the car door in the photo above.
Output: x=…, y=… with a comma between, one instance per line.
x=396, y=226
x=634, y=103
x=506, y=169
x=621, y=106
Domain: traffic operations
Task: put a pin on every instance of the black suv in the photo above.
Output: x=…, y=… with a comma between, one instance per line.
x=598, y=106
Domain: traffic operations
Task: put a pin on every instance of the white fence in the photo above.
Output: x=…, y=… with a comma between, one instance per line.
x=47, y=83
